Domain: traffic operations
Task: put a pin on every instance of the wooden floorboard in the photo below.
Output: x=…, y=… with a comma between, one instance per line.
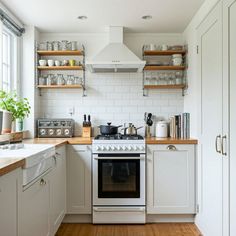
x=159, y=229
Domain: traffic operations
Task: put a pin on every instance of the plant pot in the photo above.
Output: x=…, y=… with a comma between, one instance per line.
x=6, y=122
x=19, y=125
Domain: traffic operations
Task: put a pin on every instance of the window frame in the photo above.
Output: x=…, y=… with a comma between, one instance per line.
x=13, y=62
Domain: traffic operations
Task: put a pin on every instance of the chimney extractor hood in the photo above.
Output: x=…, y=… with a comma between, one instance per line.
x=115, y=57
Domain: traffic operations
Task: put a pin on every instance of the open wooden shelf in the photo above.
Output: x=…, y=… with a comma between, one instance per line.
x=60, y=67
x=61, y=53
x=59, y=86
x=164, y=68
x=174, y=86
x=163, y=53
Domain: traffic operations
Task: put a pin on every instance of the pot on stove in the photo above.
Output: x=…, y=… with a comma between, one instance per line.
x=109, y=129
x=130, y=129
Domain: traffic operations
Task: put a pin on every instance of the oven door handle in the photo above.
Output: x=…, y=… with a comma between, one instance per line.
x=119, y=158
x=119, y=209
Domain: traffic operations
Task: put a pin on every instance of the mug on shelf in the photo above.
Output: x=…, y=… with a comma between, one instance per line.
x=50, y=62
x=72, y=62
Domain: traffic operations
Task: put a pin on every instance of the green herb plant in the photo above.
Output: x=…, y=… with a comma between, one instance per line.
x=19, y=107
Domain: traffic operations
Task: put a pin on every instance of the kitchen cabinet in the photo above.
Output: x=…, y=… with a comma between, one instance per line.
x=171, y=179
x=58, y=189
x=213, y=67
x=229, y=105
x=79, y=179
x=35, y=214
x=9, y=187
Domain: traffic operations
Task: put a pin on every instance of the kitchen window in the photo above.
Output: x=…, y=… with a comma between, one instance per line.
x=10, y=41
x=9, y=75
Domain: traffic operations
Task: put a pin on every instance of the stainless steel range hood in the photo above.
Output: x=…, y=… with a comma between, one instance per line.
x=115, y=57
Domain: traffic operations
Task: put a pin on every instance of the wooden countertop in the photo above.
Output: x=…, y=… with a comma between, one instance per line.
x=8, y=164
x=154, y=140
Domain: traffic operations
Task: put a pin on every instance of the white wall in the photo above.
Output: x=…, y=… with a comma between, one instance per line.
x=112, y=97
x=28, y=78
x=190, y=39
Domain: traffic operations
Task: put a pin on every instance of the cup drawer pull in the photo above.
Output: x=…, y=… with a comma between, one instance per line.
x=171, y=148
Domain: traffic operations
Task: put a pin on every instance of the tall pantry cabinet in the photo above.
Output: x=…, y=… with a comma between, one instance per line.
x=217, y=120
x=229, y=13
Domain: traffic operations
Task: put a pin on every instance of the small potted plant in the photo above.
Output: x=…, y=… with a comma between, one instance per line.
x=15, y=109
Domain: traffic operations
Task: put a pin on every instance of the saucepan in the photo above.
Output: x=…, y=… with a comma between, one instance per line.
x=109, y=129
x=130, y=129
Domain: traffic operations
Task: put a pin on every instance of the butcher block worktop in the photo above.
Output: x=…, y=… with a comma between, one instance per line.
x=8, y=164
x=154, y=140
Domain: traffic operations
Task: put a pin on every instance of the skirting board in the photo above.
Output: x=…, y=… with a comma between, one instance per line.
x=74, y=218
x=170, y=218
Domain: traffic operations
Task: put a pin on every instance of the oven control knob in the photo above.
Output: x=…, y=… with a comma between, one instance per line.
x=98, y=148
x=142, y=148
x=109, y=148
x=136, y=148
x=130, y=148
x=103, y=148
x=113, y=148
x=125, y=148
x=119, y=148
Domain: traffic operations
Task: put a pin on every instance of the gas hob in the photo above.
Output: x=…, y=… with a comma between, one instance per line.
x=105, y=144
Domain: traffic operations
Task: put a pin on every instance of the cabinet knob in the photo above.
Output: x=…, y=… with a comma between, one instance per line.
x=42, y=182
x=171, y=148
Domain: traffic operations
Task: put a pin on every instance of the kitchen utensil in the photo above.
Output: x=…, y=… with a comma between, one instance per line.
x=72, y=62
x=42, y=62
x=147, y=131
x=78, y=80
x=60, y=79
x=162, y=129
x=73, y=45
x=164, y=47
x=131, y=129
x=50, y=62
x=43, y=46
x=50, y=79
x=149, y=120
x=57, y=63
x=49, y=46
x=70, y=80
x=64, y=44
x=152, y=47
x=56, y=45
x=42, y=80
x=177, y=59
x=109, y=129
x=65, y=62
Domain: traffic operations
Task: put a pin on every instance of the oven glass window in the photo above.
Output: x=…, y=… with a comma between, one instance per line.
x=119, y=178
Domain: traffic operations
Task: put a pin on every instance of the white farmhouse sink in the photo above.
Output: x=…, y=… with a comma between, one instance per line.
x=38, y=158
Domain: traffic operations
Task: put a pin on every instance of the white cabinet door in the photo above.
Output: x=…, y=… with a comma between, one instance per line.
x=8, y=203
x=171, y=179
x=230, y=68
x=210, y=63
x=79, y=179
x=58, y=190
x=34, y=217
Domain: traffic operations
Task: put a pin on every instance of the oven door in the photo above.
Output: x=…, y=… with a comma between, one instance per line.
x=119, y=179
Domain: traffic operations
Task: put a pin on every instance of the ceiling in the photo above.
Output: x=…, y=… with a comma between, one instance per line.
x=168, y=16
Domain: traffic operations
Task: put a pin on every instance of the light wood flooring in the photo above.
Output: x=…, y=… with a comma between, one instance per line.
x=160, y=229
